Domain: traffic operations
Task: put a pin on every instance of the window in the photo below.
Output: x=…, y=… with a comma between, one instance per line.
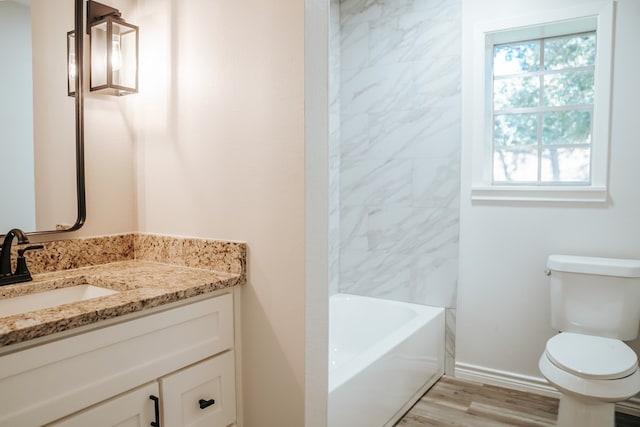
x=542, y=107
x=543, y=118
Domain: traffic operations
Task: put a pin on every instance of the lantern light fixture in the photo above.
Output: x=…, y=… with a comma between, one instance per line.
x=113, y=51
x=71, y=63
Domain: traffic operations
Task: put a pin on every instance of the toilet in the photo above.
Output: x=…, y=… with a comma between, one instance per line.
x=595, y=304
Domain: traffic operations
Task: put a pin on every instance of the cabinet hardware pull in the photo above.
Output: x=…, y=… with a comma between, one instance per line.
x=156, y=405
x=206, y=403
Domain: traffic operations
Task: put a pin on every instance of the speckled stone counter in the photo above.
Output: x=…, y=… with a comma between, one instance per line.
x=147, y=271
x=140, y=284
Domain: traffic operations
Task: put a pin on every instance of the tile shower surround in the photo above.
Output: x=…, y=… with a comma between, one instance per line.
x=216, y=255
x=399, y=163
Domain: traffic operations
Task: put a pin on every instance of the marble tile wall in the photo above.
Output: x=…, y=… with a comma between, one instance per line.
x=400, y=149
x=400, y=138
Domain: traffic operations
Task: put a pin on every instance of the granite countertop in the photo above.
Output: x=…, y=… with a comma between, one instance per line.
x=140, y=284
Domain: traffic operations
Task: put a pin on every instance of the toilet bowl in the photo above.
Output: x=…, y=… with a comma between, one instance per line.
x=591, y=373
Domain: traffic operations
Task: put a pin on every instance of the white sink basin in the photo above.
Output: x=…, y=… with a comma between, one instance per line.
x=55, y=297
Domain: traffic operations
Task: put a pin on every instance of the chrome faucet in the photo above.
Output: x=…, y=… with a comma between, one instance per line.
x=22, y=272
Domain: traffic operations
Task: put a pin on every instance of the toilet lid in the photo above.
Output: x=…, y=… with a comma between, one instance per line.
x=592, y=357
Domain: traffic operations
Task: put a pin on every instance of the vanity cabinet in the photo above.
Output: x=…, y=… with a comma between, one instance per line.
x=198, y=396
x=184, y=355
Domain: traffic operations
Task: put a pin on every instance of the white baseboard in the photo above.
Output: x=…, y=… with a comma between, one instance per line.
x=537, y=385
x=631, y=406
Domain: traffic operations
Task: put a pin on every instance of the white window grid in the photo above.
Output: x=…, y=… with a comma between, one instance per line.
x=539, y=111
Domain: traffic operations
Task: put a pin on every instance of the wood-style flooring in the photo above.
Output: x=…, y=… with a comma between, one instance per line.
x=453, y=402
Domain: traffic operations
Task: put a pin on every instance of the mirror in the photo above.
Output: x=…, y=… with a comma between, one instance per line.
x=41, y=126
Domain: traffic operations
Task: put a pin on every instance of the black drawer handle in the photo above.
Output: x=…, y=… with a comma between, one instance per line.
x=156, y=410
x=206, y=403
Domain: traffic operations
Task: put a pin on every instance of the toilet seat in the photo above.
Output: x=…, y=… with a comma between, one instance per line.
x=589, y=389
x=591, y=357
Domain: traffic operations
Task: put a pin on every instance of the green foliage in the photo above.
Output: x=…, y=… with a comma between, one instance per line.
x=515, y=129
x=569, y=88
x=566, y=127
x=570, y=52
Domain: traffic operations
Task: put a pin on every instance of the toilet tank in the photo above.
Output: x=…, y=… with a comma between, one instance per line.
x=595, y=296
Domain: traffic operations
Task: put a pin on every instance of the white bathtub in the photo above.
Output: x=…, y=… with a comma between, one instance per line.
x=383, y=356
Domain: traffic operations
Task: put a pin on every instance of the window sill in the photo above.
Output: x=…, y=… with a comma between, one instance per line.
x=589, y=194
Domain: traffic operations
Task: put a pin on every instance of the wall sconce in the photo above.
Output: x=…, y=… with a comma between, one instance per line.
x=113, y=51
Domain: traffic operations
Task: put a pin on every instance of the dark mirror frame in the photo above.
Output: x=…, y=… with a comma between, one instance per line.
x=79, y=126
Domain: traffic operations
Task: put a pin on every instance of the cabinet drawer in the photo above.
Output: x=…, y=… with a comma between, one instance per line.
x=132, y=409
x=201, y=395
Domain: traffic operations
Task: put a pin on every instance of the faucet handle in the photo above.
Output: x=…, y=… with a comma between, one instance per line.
x=21, y=262
x=29, y=248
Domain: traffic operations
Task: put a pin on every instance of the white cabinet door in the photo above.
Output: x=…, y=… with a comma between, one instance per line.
x=202, y=395
x=131, y=409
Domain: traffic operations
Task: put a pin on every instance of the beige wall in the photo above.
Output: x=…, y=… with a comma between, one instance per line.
x=221, y=155
x=213, y=146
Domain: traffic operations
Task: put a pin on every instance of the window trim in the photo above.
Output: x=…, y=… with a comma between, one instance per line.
x=598, y=16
